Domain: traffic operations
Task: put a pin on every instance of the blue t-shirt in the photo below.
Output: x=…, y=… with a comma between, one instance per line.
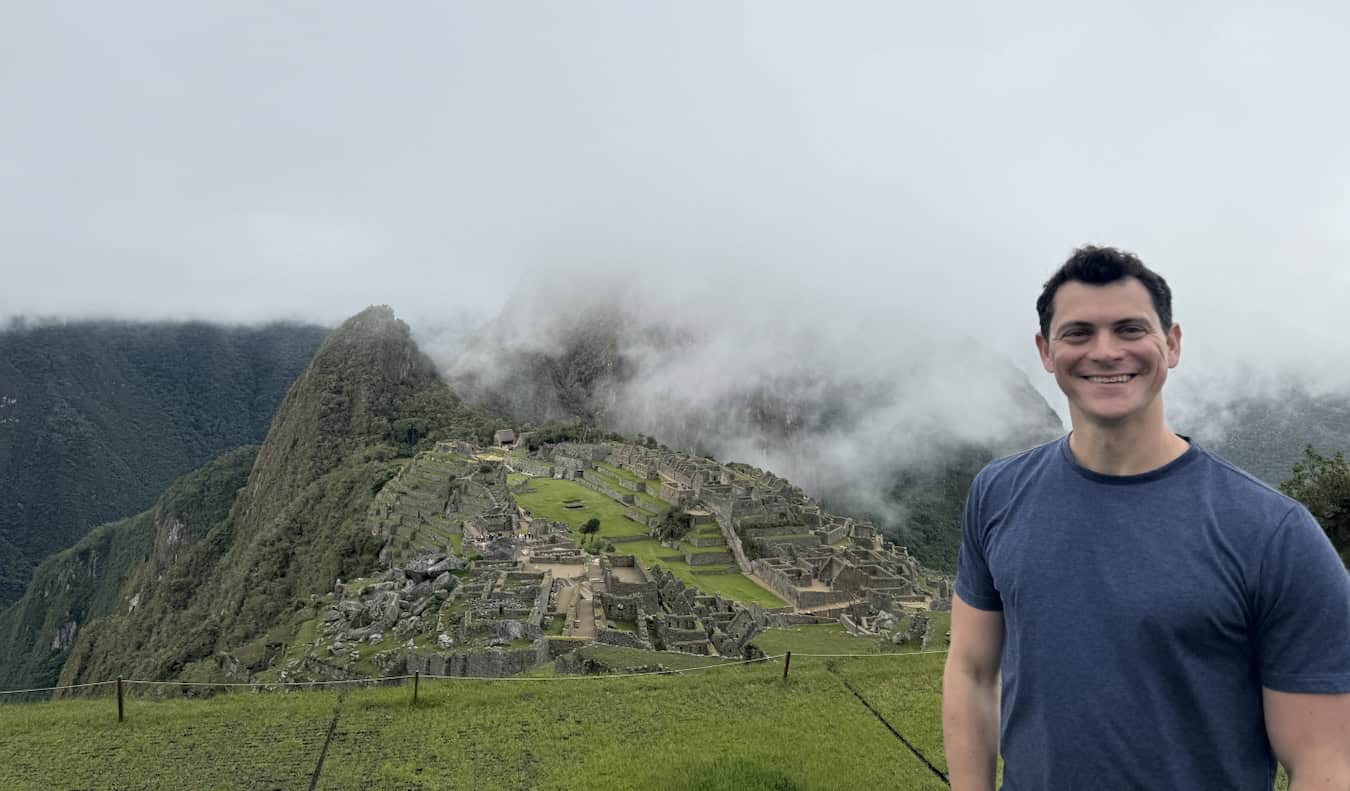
x=1143, y=615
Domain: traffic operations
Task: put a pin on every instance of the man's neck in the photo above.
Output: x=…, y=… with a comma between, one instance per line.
x=1124, y=449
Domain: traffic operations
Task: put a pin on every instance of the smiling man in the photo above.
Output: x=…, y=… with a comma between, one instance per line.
x=1132, y=611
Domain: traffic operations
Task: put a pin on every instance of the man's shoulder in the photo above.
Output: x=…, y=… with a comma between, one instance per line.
x=1227, y=480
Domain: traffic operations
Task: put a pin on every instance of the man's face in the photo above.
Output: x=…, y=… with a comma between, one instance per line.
x=1108, y=351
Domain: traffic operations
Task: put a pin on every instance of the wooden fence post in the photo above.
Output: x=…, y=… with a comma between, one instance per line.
x=120, y=712
x=417, y=678
x=787, y=663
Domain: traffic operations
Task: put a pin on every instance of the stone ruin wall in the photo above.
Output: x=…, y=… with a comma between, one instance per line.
x=484, y=663
x=601, y=484
x=535, y=467
x=733, y=542
x=582, y=451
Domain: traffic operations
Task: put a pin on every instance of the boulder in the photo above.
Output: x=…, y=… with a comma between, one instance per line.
x=445, y=563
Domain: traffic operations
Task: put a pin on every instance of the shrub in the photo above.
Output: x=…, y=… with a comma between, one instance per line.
x=592, y=525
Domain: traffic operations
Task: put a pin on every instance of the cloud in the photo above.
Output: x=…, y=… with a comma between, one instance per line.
x=840, y=401
x=755, y=160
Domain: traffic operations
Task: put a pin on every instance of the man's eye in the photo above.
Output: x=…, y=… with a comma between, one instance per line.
x=1070, y=334
x=1133, y=332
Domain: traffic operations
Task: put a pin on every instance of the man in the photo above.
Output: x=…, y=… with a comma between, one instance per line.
x=1159, y=618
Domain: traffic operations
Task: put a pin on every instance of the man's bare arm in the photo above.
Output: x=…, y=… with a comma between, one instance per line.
x=1310, y=735
x=970, y=697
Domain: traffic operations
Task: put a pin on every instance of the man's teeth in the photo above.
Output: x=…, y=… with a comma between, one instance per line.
x=1111, y=380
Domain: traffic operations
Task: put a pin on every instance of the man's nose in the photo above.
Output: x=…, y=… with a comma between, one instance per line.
x=1105, y=346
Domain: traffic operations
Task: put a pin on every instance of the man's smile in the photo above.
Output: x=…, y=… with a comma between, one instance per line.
x=1110, y=380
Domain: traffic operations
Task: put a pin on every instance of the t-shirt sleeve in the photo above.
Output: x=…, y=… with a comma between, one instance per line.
x=1303, y=610
x=974, y=583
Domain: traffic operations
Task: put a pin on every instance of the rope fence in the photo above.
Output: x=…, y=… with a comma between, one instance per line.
x=54, y=689
x=121, y=683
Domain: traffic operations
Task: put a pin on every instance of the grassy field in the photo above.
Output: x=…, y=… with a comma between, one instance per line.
x=547, y=498
x=738, y=728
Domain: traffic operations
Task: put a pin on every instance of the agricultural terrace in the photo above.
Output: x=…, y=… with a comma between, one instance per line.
x=726, y=580
x=648, y=502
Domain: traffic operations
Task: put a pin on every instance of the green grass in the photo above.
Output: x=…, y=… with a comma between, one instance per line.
x=617, y=656
x=831, y=638
x=817, y=639
x=549, y=495
x=732, y=728
x=232, y=741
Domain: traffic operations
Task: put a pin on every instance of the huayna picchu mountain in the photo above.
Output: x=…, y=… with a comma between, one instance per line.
x=97, y=418
x=216, y=579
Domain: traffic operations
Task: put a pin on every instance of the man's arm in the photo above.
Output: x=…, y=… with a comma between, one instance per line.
x=970, y=697
x=1310, y=734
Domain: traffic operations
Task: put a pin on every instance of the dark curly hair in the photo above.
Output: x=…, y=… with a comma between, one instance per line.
x=1098, y=266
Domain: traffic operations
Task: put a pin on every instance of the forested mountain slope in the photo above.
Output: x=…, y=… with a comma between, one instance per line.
x=98, y=418
x=82, y=584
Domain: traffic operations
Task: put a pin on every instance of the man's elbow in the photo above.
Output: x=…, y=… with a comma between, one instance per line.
x=971, y=673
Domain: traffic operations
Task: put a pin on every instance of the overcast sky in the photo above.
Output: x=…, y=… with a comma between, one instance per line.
x=928, y=162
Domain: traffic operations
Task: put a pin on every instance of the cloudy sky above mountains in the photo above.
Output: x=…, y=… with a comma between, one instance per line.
x=759, y=164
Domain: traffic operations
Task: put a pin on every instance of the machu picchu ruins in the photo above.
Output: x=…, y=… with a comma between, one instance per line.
x=691, y=556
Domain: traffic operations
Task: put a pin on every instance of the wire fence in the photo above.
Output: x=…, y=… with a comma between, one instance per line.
x=120, y=683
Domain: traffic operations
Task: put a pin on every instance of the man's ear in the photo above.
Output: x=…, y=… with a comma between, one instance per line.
x=1043, y=348
x=1173, y=345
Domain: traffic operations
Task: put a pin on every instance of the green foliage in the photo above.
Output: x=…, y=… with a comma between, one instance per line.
x=409, y=431
x=105, y=415
x=1322, y=483
x=673, y=525
x=591, y=526
x=556, y=431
